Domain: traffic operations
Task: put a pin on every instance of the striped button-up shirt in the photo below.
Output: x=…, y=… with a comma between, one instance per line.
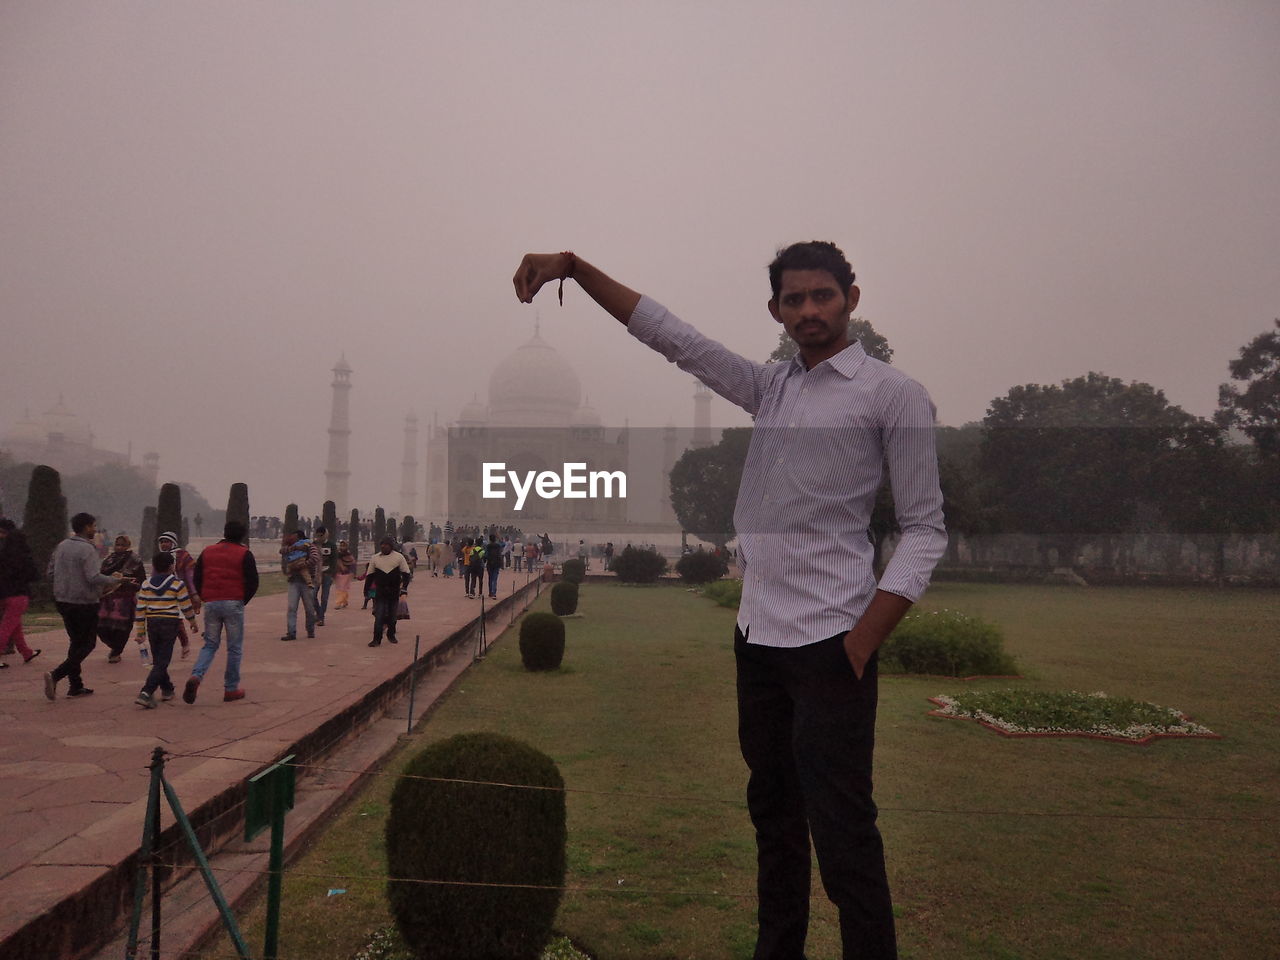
x=821, y=440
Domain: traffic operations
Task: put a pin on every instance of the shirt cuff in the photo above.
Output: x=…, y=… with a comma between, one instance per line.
x=646, y=320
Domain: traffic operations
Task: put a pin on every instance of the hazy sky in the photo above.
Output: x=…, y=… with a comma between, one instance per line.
x=202, y=204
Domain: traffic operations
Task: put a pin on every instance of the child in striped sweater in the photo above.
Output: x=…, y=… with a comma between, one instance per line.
x=163, y=601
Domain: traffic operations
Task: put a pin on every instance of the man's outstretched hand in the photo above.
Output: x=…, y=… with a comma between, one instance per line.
x=537, y=269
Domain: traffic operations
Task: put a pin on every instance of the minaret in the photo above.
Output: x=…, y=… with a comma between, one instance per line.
x=409, y=468
x=702, y=416
x=336, y=473
x=666, y=513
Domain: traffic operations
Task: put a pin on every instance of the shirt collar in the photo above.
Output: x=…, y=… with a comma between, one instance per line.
x=845, y=363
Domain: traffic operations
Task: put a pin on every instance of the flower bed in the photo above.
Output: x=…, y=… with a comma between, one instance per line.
x=1029, y=713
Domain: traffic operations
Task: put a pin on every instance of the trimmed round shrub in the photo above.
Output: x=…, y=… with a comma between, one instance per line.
x=476, y=833
x=541, y=641
x=946, y=643
x=575, y=571
x=726, y=593
x=634, y=565
x=701, y=566
x=564, y=598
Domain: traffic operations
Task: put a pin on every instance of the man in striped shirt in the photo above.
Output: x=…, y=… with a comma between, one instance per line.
x=813, y=614
x=163, y=601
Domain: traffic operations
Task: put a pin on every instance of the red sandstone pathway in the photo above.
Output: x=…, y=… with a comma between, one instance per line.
x=73, y=773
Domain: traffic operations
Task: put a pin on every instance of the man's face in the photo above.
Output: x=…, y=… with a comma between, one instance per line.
x=290, y=539
x=814, y=310
x=386, y=547
x=90, y=531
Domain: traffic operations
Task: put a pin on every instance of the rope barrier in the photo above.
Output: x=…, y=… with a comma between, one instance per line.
x=379, y=878
x=624, y=794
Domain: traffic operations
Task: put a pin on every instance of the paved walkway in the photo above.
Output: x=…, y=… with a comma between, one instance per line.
x=73, y=773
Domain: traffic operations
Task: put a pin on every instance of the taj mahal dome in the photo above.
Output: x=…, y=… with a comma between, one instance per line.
x=535, y=418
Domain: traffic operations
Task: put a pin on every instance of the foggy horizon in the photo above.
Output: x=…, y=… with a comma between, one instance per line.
x=205, y=206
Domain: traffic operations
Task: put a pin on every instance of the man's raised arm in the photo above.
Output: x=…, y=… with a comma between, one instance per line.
x=538, y=269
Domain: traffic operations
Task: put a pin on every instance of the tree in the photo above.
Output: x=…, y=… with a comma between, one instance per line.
x=379, y=525
x=1256, y=408
x=44, y=521
x=147, y=539
x=113, y=493
x=704, y=486
x=1071, y=462
x=169, y=509
x=238, y=506
x=1208, y=487
x=408, y=527
x=353, y=532
x=967, y=498
x=290, y=518
x=329, y=517
x=859, y=329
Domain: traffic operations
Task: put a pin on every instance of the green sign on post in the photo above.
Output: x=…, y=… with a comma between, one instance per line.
x=270, y=797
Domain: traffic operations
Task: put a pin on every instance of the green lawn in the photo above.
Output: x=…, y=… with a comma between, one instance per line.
x=997, y=848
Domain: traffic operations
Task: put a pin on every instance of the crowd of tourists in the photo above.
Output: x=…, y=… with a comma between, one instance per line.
x=110, y=596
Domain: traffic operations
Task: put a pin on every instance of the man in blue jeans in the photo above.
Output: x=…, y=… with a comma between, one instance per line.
x=226, y=576
x=302, y=579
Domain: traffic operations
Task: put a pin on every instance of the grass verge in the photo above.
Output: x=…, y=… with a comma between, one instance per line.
x=997, y=848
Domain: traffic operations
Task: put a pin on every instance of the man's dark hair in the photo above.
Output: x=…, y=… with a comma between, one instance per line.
x=321, y=528
x=162, y=562
x=233, y=530
x=811, y=255
x=299, y=534
x=81, y=520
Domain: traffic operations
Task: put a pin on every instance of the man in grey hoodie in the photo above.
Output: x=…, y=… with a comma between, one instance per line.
x=77, y=587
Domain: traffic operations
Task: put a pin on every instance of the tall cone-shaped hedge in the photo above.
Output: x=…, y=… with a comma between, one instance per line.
x=379, y=526
x=238, y=506
x=45, y=523
x=147, y=539
x=477, y=833
x=290, y=518
x=169, y=511
x=353, y=532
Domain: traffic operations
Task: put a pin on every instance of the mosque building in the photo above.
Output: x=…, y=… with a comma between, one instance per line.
x=60, y=439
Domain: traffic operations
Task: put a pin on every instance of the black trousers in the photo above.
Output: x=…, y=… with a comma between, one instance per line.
x=806, y=725
x=384, y=616
x=81, y=621
x=162, y=634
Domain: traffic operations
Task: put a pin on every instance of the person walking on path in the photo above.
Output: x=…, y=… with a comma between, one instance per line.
x=328, y=570
x=390, y=574
x=184, y=567
x=77, y=589
x=493, y=560
x=300, y=560
x=163, y=602
x=115, y=612
x=226, y=576
x=475, y=568
x=812, y=614
x=345, y=570
x=17, y=573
